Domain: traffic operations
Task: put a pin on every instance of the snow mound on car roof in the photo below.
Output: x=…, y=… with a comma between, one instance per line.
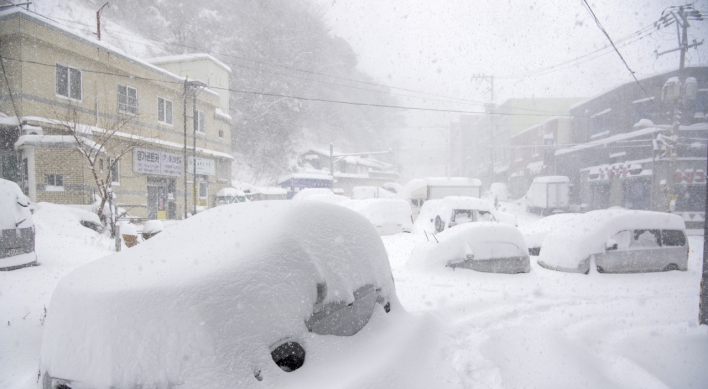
x=201, y=302
x=432, y=208
x=455, y=243
x=587, y=234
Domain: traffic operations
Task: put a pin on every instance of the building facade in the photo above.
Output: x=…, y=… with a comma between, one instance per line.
x=60, y=84
x=626, y=150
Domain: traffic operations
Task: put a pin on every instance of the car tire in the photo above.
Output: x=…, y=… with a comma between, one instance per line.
x=670, y=267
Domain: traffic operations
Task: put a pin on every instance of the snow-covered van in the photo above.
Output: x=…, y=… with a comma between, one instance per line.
x=438, y=215
x=617, y=241
x=237, y=297
x=16, y=228
x=389, y=216
x=548, y=194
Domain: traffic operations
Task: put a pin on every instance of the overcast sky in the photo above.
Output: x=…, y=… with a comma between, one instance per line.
x=437, y=46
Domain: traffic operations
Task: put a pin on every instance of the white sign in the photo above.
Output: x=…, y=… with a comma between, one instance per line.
x=206, y=167
x=157, y=162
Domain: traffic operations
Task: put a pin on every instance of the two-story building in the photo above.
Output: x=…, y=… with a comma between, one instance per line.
x=60, y=84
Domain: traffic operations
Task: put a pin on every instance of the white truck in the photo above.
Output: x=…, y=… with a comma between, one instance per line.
x=548, y=195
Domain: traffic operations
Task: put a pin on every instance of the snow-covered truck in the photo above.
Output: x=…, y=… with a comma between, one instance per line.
x=548, y=194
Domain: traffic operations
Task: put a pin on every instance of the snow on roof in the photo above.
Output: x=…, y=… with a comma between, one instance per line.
x=48, y=23
x=223, y=114
x=254, y=285
x=452, y=181
x=614, y=138
x=603, y=112
x=585, y=235
x=551, y=179
x=310, y=176
x=186, y=58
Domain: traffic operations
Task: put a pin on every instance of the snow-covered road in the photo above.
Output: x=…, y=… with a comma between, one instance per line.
x=543, y=329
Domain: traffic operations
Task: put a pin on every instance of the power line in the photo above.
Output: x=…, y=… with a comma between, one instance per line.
x=302, y=98
x=599, y=25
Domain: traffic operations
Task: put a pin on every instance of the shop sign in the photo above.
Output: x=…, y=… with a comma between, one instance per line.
x=205, y=166
x=157, y=162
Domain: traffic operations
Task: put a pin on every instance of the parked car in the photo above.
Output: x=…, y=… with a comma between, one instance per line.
x=617, y=241
x=230, y=196
x=227, y=298
x=320, y=194
x=17, y=228
x=438, y=215
x=389, y=216
x=485, y=246
x=548, y=195
x=534, y=233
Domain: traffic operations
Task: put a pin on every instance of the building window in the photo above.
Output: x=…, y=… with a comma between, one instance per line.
x=54, y=182
x=115, y=171
x=221, y=134
x=127, y=100
x=164, y=111
x=68, y=82
x=199, y=121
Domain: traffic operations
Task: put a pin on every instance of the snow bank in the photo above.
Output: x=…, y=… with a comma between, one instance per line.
x=201, y=303
x=585, y=235
x=478, y=241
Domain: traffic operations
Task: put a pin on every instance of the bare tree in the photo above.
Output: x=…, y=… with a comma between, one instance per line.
x=102, y=146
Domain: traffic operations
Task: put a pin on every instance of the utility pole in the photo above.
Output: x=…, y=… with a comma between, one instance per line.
x=680, y=16
x=492, y=120
x=184, y=155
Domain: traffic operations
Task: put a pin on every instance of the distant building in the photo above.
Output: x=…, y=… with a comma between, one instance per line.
x=54, y=73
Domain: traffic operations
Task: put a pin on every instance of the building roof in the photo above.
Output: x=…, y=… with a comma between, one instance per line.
x=187, y=58
x=17, y=12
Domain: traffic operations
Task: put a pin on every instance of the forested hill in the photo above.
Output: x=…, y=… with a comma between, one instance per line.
x=280, y=48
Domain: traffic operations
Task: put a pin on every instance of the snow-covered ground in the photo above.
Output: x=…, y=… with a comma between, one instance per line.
x=543, y=329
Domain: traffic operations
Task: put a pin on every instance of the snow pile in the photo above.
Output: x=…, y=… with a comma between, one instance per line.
x=587, y=234
x=153, y=227
x=478, y=241
x=535, y=233
x=201, y=303
x=391, y=215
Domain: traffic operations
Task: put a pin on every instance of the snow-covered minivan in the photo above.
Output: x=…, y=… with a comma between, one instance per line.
x=617, y=241
x=16, y=228
x=230, y=298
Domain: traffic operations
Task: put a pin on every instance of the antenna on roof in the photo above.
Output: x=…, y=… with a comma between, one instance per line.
x=98, y=20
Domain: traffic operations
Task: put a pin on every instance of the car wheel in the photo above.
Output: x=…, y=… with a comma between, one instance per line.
x=671, y=266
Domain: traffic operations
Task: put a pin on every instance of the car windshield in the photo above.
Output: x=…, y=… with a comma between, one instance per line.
x=353, y=194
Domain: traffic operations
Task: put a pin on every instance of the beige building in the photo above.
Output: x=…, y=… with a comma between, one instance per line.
x=58, y=82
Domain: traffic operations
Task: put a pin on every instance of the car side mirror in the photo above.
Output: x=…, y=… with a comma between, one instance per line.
x=439, y=225
x=610, y=245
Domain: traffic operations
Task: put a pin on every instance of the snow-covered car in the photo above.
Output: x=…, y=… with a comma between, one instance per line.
x=440, y=214
x=389, y=216
x=485, y=246
x=618, y=241
x=237, y=295
x=230, y=196
x=16, y=228
x=534, y=233
x=371, y=192
x=320, y=194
